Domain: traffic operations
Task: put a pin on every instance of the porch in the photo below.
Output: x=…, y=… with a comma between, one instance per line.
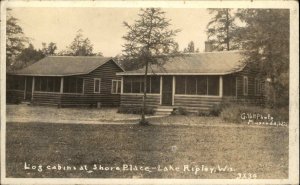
x=192, y=92
x=58, y=91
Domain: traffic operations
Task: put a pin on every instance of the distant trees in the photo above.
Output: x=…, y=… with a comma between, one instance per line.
x=221, y=29
x=49, y=49
x=190, y=48
x=30, y=54
x=148, y=40
x=80, y=46
x=15, y=40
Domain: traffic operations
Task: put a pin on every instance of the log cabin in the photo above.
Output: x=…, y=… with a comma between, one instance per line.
x=195, y=82
x=67, y=81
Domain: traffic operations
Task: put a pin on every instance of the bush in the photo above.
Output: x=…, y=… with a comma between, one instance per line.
x=203, y=113
x=136, y=110
x=216, y=110
x=179, y=111
x=233, y=113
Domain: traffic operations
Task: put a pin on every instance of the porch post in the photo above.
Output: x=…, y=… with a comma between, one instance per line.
x=122, y=83
x=61, y=85
x=32, y=90
x=221, y=86
x=160, y=89
x=25, y=88
x=173, y=90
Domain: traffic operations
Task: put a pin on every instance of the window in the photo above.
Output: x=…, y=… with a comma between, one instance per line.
x=191, y=82
x=201, y=85
x=257, y=86
x=245, y=85
x=73, y=85
x=47, y=84
x=127, y=84
x=97, y=85
x=180, y=85
x=155, y=84
x=116, y=86
x=229, y=85
x=135, y=84
x=213, y=85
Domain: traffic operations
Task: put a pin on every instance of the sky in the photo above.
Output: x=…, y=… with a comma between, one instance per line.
x=104, y=26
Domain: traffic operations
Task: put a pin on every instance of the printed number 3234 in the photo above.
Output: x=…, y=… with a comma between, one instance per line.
x=246, y=176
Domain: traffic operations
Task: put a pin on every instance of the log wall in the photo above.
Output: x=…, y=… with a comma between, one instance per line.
x=136, y=100
x=196, y=103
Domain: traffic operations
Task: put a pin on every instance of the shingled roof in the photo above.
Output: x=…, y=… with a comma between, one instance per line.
x=207, y=63
x=63, y=66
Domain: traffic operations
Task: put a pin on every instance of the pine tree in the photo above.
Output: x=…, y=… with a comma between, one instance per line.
x=221, y=30
x=147, y=41
x=266, y=40
x=81, y=46
x=15, y=40
x=190, y=48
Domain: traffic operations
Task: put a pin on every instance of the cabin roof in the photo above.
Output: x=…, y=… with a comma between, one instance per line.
x=63, y=66
x=207, y=63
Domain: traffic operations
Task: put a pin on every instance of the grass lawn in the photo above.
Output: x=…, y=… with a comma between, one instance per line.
x=257, y=150
x=37, y=113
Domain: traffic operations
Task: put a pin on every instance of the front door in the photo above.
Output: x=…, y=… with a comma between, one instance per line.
x=167, y=87
x=28, y=88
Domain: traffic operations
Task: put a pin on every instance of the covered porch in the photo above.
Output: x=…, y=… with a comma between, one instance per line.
x=192, y=92
x=42, y=89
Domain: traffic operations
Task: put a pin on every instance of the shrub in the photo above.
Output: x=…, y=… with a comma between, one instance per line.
x=179, y=111
x=203, y=113
x=216, y=110
x=136, y=110
x=232, y=113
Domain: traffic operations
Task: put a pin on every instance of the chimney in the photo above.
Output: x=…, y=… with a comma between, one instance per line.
x=208, y=46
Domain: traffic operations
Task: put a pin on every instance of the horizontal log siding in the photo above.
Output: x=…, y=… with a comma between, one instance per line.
x=251, y=97
x=45, y=98
x=106, y=72
x=196, y=103
x=136, y=100
x=86, y=100
x=14, y=96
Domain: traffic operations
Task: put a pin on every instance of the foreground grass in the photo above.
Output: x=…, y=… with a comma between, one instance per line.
x=263, y=151
x=38, y=113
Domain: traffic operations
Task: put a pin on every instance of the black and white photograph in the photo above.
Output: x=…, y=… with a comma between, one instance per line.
x=149, y=93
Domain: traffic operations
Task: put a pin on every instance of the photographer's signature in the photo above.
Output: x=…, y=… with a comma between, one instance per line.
x=262, y=119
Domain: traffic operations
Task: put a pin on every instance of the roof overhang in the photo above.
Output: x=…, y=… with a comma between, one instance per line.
x=175, y=74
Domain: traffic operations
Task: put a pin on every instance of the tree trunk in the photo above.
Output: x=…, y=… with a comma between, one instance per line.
x=227, y=29
x=143, y=119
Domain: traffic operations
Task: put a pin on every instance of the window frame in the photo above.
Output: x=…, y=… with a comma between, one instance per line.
x=83, y=84
x=140, y=80
x=99, y=79
x=39, y=81
x=258, y=86
x=245, y=79
x=117, y=85
x=205, y=78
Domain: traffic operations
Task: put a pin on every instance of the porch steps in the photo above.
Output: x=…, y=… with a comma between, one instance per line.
x=164, y=110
